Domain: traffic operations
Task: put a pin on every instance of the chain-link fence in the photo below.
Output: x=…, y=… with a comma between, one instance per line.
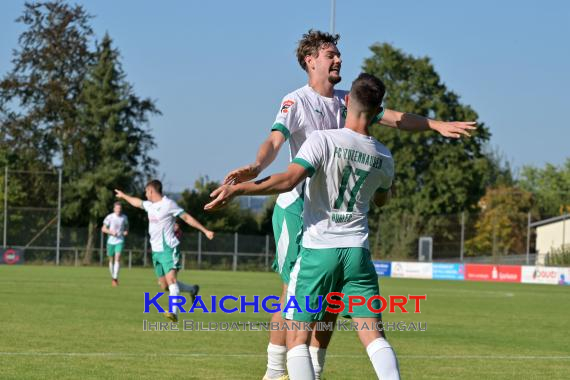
x=488, y=237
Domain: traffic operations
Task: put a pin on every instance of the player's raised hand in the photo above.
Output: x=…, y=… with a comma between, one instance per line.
x=119, y=194
x=222, y=195
x=454, y=129
x=243, y=174
x=209, y=234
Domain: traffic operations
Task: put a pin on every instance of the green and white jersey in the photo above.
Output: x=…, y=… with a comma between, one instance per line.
x=117, y=223
x=346, y=169
x=302, y=112
x=161, y=218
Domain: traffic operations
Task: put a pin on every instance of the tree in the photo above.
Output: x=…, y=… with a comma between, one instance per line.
x=551, y=186
x=502, y=224
x=110, y=144
x=434, y=175
x=39, y=97
x=228, y=219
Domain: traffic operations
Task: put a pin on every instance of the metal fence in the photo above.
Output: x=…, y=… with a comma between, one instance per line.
x=460, y=237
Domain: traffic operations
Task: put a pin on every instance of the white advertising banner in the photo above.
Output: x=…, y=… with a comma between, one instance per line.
x=545, y=275
x=411, y=270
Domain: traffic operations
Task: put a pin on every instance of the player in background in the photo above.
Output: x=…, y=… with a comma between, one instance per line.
x=162, y=213
x=348, y=168
x=116, y=225
x=315, y=106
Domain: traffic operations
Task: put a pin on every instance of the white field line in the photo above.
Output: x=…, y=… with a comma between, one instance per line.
x=208, y=355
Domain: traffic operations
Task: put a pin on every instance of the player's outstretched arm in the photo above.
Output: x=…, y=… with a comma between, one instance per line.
x=197, y=225
x=133, y=201
x=274, y=184
x=265, y=156
x=412, y=122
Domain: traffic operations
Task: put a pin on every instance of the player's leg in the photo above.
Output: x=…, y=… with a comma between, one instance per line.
x=314, y=275
x=360, y=279
x=299, y=363
x=287, y=225
x=320, y=340
x=379, y=351
x=117, y=265
x=170, y=261
x=110, y=256
x=277, y=350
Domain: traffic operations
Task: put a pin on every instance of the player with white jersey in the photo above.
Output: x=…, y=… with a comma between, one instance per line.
x=116, y=225
x=162, y=213
x=315, y=106
x=347, y=168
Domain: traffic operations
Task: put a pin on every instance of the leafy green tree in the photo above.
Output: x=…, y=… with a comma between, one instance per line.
x=110, y=143
x=231, y=218
x=502, y=223
x=551, y=187
x=434, y=175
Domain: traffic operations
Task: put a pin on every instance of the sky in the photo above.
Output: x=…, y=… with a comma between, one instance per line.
x=219, y=69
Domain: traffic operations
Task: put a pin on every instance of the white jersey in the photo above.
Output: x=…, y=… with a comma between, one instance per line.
x=161, y=218
x=302, y=112
x=118, y=224
x=346, y=169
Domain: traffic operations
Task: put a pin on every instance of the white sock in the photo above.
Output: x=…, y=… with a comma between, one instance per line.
x=174, y=291
x=299, y=364
x=318, y=360
x=116, y=270
x=111, y=268
x=185, y=287
x=383, y=359
x=276, y=358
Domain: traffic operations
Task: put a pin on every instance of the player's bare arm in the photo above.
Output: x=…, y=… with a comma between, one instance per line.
x=274, y=184
x=107, y=230
x=133, y=201
x=412, y=122
x=265, y=156
x=192, y=222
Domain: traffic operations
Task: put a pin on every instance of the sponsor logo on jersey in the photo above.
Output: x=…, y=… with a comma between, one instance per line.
x=286, y=105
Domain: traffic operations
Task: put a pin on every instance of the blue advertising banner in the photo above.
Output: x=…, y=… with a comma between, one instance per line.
x=448, y=271
x=383, y=268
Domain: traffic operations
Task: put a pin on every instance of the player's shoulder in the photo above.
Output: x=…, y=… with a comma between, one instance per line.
x=383, y=150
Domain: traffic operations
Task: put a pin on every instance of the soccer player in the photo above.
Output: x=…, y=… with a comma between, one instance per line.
x=347, y=168
x=315, y=106
x=162, y=213
x=116, y=225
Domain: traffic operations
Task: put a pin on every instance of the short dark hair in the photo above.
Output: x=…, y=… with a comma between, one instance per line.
x=117, y=204
x=368, y=91
x=156, y=185
x=311, y=42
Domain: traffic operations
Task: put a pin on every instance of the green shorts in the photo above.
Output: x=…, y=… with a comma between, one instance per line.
x=113, y=249
x=318, y=272
x=166, y=260
x=287, y=229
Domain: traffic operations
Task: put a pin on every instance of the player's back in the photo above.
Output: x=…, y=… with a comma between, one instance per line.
x=349, y=169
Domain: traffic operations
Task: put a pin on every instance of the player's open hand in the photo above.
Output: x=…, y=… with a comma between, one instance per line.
x=119, y=194
x=455, y=129
x=243, y=174
x=209, y=234
x=222, y=196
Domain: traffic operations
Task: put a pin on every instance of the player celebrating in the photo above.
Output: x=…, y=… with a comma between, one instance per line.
x=348, y=168
x=315, y=106
x=162, y=213
x=116, y=225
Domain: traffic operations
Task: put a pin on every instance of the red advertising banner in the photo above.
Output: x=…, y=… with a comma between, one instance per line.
x=499, y=273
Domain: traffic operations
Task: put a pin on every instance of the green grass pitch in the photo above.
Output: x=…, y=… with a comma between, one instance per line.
x=69, y=323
